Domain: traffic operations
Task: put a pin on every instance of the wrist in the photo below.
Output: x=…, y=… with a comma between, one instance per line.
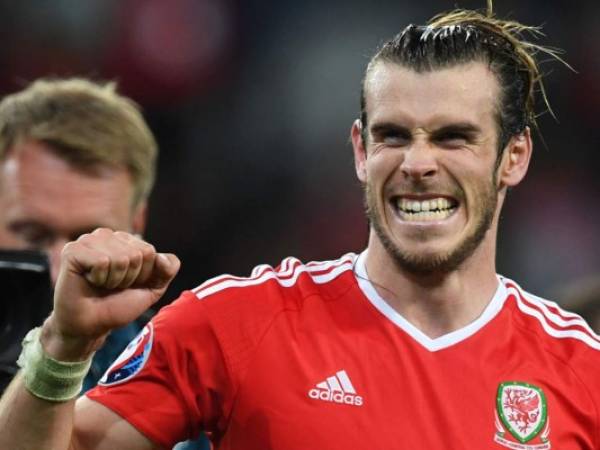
x=62, y=347
x=46, y=377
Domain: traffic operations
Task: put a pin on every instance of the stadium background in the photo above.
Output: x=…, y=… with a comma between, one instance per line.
x=252, y=103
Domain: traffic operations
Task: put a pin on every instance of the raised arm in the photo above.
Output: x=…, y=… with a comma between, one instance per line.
x=106, y=280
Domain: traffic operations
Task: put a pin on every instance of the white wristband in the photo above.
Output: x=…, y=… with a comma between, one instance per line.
x=47, y=378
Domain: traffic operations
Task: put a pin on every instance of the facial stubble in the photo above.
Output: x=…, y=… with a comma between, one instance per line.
x=441, y=262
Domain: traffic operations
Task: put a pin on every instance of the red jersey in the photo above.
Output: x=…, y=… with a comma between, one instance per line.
x=309, y=356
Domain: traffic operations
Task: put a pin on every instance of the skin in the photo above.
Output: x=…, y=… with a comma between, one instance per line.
x=410, y=153
x=107, y=278
x=47, y=202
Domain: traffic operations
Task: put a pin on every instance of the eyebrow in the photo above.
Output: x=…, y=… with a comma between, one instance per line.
x=459, y=127
x=387, y=127
x=20, y=225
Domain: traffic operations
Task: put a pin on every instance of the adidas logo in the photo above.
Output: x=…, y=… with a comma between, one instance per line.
x=337, y=389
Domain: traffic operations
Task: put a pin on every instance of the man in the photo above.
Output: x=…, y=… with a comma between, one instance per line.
x=74, y=155
x=415, y=343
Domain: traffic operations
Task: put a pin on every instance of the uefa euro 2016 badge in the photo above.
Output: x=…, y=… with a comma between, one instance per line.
x=521, y=409
x=132, y=360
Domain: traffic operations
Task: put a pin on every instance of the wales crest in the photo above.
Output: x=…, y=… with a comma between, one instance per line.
x=521, y=409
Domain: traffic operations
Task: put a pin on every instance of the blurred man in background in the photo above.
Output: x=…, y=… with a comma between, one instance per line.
x=74, y=155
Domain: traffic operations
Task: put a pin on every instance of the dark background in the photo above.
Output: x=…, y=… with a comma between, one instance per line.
x=252, y=103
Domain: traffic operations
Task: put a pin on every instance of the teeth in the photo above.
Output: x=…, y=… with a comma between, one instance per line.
x=434, y=209
x=427, y=215
x=424, y=206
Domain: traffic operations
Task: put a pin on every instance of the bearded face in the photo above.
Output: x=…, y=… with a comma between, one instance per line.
x=446, y=259
x=428, y=161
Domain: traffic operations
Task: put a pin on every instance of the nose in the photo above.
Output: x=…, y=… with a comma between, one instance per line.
x=419, y=161
x=54, y=250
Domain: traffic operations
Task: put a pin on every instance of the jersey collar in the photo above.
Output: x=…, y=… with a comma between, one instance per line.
x=431, y=344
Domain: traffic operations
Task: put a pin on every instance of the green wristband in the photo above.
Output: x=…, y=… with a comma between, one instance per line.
x=47, y=378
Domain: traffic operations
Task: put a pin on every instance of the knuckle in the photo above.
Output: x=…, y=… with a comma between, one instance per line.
x=136, y=258
x=148, y=251
x=86, y=238
x=102, y=232
x=68, y=249
x=83, y=237
x=103, y=262
x=123, y=235
x=121, y=262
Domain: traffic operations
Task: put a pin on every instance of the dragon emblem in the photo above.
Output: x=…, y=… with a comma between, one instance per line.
x=521, y=407
x=524, y=406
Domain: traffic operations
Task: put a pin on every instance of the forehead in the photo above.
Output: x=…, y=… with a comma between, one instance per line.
x=465, y=92
x=37, y=185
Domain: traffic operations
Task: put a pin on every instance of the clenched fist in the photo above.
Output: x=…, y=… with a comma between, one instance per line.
x=107, y=279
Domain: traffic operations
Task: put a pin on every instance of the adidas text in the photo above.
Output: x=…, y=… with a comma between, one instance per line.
x=335, y=397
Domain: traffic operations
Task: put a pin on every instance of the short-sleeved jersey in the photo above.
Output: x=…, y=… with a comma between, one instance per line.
x=309, y=356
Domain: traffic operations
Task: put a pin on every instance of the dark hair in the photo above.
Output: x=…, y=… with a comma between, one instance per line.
x=462, y=36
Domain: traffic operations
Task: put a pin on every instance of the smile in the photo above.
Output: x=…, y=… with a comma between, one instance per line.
x=432, y=209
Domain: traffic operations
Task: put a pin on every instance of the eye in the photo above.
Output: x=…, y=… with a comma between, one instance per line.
x=34, y=237
x=37, y=240
x=395, y=140
x=452, y=139
x=392, y=138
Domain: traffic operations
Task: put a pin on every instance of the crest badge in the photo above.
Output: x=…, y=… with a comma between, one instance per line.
x=132, y=360
x=522, y=420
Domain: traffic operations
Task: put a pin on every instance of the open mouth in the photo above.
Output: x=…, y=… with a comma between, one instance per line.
x=429, y=210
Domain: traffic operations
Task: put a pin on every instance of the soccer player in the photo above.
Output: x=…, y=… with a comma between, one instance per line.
x=416, y=343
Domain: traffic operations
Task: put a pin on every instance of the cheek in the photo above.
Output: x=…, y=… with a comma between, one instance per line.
x=474, y=181
x=482, y=197
x=9, y=240
x=381, y=167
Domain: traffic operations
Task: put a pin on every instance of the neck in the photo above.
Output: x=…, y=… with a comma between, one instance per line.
x=436, y=303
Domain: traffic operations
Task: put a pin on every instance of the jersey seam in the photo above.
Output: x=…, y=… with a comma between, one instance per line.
x=176, y=390
x=230, y=371
x=575, y=374
x=193, y=433
x=226, y=362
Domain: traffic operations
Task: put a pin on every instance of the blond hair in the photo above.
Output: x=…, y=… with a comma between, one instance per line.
x=84, y=122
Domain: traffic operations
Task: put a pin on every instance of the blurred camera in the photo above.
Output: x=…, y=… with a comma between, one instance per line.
x=25, y=302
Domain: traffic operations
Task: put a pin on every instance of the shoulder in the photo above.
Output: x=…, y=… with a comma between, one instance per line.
x=290, y=279
x=565, y=345
x=237, y=312
x=235, y=305
x=562, y=333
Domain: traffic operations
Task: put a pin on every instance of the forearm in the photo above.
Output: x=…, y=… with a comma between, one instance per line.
x=37, y=409
x=30, y=423
x=106, y=280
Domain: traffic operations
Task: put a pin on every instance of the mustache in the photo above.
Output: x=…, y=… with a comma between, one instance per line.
x=419, y=187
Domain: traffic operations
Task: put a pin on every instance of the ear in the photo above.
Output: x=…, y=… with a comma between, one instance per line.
x=360, y=153
x=515, y=160
x=138, y=223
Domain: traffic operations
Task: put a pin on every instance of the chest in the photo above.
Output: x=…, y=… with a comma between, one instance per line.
x=341, y=386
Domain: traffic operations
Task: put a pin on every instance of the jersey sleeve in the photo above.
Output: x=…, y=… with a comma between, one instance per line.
x=172, y=380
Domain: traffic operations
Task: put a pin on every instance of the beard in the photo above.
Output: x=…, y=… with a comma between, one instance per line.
x=443, y=262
